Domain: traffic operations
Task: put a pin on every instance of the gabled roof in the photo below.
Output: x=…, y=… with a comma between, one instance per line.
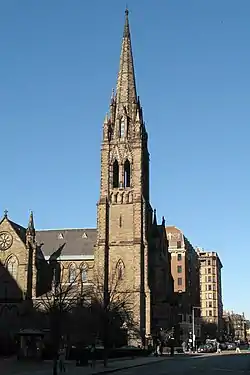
x=20, y=231
x=77, y=241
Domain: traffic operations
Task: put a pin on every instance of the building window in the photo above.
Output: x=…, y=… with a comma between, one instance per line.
x=209, y=287
x=209, y=279
x=210, y=295
x=210, y=304
x=179, y=269
x=120, y=269
x=12, y=266
x=179, y=281
x=210, y=313
x=122, y=128
x=127, y=174
x=115, y=174
x=179, y=257
x=178, y=244
x=209, y=262
x=209, y=270
x=72, y=273
x=84, y=273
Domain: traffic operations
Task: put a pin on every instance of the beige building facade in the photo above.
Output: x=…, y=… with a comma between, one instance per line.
x=211, y=288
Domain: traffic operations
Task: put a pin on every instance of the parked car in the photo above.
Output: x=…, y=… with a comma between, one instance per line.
x=206, y=348
x=231, y=346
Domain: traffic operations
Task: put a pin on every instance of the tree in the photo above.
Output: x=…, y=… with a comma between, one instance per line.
x=112, y=319
x=57, y=304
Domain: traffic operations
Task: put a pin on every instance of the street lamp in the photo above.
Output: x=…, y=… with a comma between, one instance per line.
x=193, y=327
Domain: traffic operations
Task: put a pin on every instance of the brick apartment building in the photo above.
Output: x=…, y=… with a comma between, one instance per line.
x=185, y=272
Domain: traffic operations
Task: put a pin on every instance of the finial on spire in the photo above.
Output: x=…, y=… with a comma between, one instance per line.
x=5, y=213
x=163, y=221
x=126, y=32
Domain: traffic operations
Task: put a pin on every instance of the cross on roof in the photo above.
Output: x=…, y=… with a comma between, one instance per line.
x=5, y=213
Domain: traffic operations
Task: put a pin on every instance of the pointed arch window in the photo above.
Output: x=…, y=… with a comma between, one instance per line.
x=12, y=266
x=84, y=273
x=115, y=174
x=122, y=128
x=72, y=273
x=120, y=269
x=127, y=174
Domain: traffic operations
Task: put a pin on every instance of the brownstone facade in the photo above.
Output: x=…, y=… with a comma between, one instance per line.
x=128, y=241
x=185, y=272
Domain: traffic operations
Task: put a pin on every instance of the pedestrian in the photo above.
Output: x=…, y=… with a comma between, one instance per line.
x=62, y=356
x=238, y=347
x=184, y=347
x=93, y=355
x=218, y=347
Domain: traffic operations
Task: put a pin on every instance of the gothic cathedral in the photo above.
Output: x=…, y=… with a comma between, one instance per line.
x=127, y=243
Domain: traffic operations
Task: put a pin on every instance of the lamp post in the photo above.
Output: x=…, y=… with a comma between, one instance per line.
x=193, y=326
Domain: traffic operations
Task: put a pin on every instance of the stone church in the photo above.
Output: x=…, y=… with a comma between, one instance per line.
x=127, y=241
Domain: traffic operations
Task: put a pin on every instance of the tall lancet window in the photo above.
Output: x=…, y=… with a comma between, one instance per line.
x=127, y=174
x=12, y=266
x=115, y=174
x=72, y=273
x=122, y=128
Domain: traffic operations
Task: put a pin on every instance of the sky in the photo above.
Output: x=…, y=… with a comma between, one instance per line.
x=59, y=63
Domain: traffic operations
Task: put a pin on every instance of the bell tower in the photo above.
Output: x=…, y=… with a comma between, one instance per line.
x=124, y=212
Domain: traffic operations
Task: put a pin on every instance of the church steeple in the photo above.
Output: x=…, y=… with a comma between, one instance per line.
x=126, y=94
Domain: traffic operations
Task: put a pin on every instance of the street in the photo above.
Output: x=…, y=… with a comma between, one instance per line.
x=208, y=365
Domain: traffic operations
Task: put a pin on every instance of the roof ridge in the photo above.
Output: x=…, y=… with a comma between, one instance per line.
x=63, y=229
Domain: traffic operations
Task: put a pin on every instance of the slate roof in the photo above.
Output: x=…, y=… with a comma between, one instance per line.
x=20, y=231
x=77, y=241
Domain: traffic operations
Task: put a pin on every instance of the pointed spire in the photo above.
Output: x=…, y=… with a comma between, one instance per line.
x=106, y=119
x=31, y=226
x=154, y=219
x=126, y=88
x=163, y=223
x=113, y=96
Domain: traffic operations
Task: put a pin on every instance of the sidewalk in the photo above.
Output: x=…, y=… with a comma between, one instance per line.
x=115, y=365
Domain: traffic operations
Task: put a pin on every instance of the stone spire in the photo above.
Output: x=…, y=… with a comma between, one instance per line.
x=31, y=226
x=126, y=89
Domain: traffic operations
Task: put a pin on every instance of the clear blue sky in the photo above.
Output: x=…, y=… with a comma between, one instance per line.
x=59, y=61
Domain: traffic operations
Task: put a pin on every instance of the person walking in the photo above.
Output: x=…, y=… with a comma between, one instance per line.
x=93, y=355
x=237, y=347
x=218, y=347
x=62, y=357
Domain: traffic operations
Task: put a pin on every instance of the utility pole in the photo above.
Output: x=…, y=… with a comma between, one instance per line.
x=193, y=325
